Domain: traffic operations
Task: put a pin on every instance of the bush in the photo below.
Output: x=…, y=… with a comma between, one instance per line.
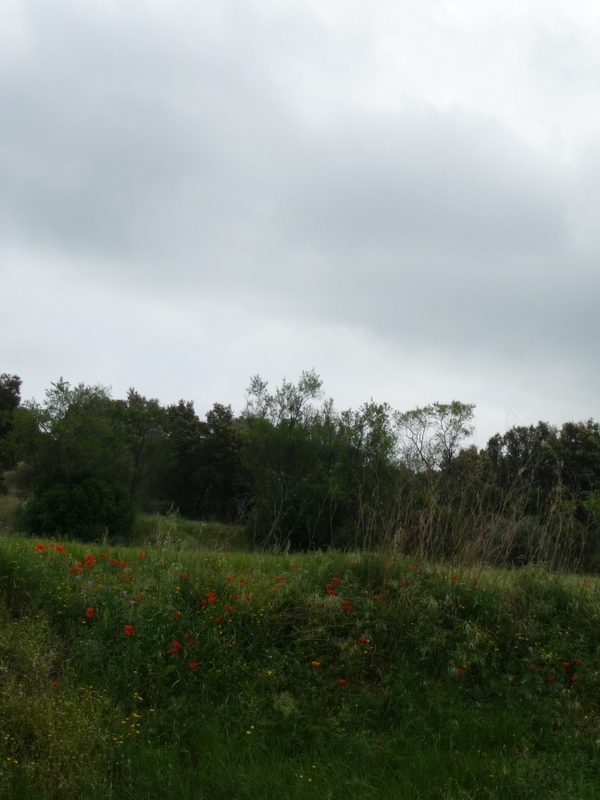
x=85, y=511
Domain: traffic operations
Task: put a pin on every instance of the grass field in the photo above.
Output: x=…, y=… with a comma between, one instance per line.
x=173, y=671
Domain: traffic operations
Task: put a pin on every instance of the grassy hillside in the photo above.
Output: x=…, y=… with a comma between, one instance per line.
x=164, y=672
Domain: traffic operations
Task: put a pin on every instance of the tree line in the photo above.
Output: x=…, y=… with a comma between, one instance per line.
x=299, y=474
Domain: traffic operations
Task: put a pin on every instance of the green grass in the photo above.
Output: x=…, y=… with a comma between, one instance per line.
x=405, y=684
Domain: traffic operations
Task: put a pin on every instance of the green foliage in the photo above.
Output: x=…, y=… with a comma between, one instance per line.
x=88, y=511
x=324, y=675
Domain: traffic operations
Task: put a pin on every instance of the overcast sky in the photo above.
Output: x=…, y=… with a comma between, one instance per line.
x=403, y=195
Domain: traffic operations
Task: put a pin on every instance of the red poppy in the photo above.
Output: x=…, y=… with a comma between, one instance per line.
x=204, y=602
x=342, y=681
x=242, y=580
x=141, y=553
x=412, y=567
x=348, y=608
x=578, y=661
x=60, y=548
x=352, y=563
x=125, y=574
x=532, y=666
x=177, y=614
x=460, y=670
x=316, y=663
x=455, y=578
x=234, y=596
x=551, y=677
x=362, y=639
x=217, y=619
x=228, y=579
x=138, y=597
x=104, y=555
x=188, y=638
x=128, y=629
x=53, y=684
x=331, y=591
x=336, y=580
x=229, y=608
x=402, y=581
x=89, y=612
x=294, y=565
x=114, y=561
x=572, y=678
x=184, y=575
x=175, y=645
x=329, y=586
x=566, y=664
x=246, y=597
x=192, y=664
x=40, y=546
x=273, y=588
x=122, y=563
x=51, y=544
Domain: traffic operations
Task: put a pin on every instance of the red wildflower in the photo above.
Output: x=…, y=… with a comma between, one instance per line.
x=229, y=608
x=192, y=664
x=460, y=670
x=242, y=580
x=351, y=563
x=331, y=591
x=342, y=681
x=53, y=684
x=125, y=574
x=455, y=578
x=294, y=565
x=578, y=661
x=362, y=639
x=329, y=586
x=572, y=678
x=138, y=597
x=128, y=629
x=204, y=602
x=122, y=563
x=402, y=581
x=51, y=544
x=60, y=548
x=336, y=580
x=217, y=619
x=349, y=608
x=89, y=612
x=114, y=561
x=566, y=664
x=177, y=614
x=104, y=555
x=532, y=666
x=228, y=579
x=141, y=553
x=246, y=597
x=412, y=567
x=188, y=638
x=184, y=575
x=40, y=546
x=316, y=663
x=175, y=645
x=76, y=569
x=234, y=596
x=551, y=677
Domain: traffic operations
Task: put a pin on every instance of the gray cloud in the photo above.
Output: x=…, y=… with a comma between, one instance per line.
x=173, y=152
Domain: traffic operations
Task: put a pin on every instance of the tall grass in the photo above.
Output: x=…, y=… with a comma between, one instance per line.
x=329, y=675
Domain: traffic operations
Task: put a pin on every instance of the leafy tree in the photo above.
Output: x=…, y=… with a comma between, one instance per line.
x=10, y=398
x=430, y=437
